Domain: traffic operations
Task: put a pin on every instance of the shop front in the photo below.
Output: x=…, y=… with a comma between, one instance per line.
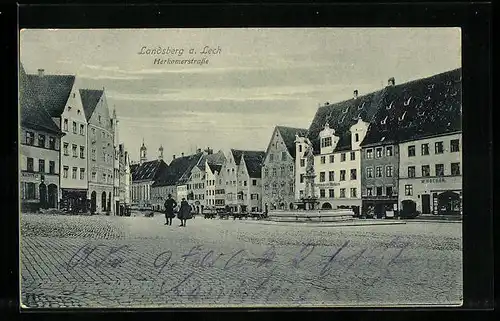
x=74, y=200
x=38, y=191
x=379, y=207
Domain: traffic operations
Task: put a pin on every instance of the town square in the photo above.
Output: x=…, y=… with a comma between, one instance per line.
x=304, y=173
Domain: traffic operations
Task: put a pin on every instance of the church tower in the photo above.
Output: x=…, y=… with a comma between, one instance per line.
x=143, y=151
x=160, y=152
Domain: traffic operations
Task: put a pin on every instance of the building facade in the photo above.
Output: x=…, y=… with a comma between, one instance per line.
x=39, y=151
x=229, y=180
x=431, y=174
x=250, y=181
x=278, y=171
x=211, y=184
x=101, y=153
x=60, y=96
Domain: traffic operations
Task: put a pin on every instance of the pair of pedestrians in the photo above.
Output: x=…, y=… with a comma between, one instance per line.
x=184, y=211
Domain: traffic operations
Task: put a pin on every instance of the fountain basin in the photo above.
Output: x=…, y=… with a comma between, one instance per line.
x=339, y=215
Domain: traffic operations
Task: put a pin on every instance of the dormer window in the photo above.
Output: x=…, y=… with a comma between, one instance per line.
x=402, y=116
x=421, y=113
x=390, y=105
x=342, y=119
x=383, y=121
x=326, y=142
x=430, y=87
x=407, y=102
x=346, y=110
x=361, y=106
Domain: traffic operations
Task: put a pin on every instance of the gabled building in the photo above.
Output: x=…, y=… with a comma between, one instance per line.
x=60, y=97
x=145, y=175
x=335, y=135
x=212, y=184
x=228, y=179
x=249, y=193
x=100, y=151
x=39, y=149
x=278, y=171
x=174, y=180
x=424, y=117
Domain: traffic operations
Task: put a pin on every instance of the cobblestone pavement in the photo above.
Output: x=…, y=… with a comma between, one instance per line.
x=102, y=261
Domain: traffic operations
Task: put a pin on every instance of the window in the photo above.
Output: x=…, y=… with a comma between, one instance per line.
x=326, y=142
x=332, y=158
x=353, y=156
x=455, y=168
x=283, y=156
x=425, y=149
x=378, y=171
x=322, y=176
x=353, y=174
x=65, y=149
x=408, y=190
x=30, y=191
x=331, y=176
x=323, y=159
x=454, y=145
x=369, y=191
x=321, y=193
x=354, y=193
x=104, y=178
x=342, y=175
x=331, y=193
x=274, y=171
x=266, y=187
x=266, y=172
x=30, y=138
x=302, y=162
x=73, y=173
x=74, y=147
x=439, y=170
x=244, y=183
x=379, y=190
x=388, y=171
x=65, y=171
x=52, y=167
x=411, y=171
x=388, y=151
x=342, y=193
x=302, y=178
x=426, y=170
x=41, y=165
x=290, y=168
x=254, y=196
x=356, y=137
x=29, y=164
x=93, y=131
x=65, y=125
x=82, y=128
x=300, y=148
x=254, y=182
x=342, y=157
x=82, y=173
x=369, y=153
x=41, y=141
x=411, y=151
x=282, y=170
x=271, y=157
x=369, y=172
x=99, y=119
x=92, y=154
x=388, y=190
x=378, y=152
x=438, y=146
x=74, y=127
x=82, y=152
x=52, y=142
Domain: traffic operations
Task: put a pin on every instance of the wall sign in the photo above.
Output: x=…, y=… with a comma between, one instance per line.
x=433, y=180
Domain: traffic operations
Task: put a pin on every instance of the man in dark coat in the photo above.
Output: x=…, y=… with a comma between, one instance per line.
x=184, y=212
x=170, y=204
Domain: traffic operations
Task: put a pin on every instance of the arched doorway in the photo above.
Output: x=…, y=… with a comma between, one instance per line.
x=326, y=206
x=291, y=206
x=52, y=196
x=103, y=202
x=282, y=206
x=449, y=203
x=93, y=202
x=43, y=195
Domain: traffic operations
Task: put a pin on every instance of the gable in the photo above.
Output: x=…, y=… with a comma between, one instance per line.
x=74, y=108
x=101, y=116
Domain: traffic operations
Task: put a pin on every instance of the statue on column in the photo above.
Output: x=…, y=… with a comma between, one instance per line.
x=309, y=177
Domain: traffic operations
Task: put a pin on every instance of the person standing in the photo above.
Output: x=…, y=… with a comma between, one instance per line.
x=170, y=204
x=184, y=212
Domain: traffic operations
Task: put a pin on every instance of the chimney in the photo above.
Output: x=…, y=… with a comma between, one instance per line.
x=41, y=72
x=182, y=154
x=391, y=81
x=356, y=94
x=173, y=157
x=198, y=150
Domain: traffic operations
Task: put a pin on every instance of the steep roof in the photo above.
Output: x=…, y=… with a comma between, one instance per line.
x=90, y=98
x=237, y=155
x=215, y=167
x=288, y=135
x=341, y=116
x=53, y=91
x=32, y=113
x=254, y=161
x=178, y=170
x=419, y=109
x=150, y=170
